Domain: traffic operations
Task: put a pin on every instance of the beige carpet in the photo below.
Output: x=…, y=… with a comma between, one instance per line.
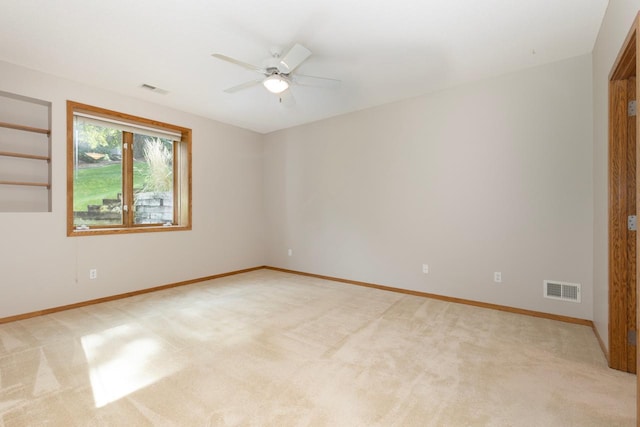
x=272, y=349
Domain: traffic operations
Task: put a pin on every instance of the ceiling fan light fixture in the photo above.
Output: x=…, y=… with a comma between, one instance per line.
x=276, y=83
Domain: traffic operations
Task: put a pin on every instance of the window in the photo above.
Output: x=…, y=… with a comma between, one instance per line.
x=125, y=174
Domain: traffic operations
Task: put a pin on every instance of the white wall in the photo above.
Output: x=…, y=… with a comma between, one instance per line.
x=491, y=176
x=615, y=26
x=42, y=268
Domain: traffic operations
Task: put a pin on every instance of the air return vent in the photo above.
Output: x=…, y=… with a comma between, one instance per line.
x=562, y=290
x=154, y=89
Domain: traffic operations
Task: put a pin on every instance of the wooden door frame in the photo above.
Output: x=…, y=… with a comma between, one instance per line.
x=622, y=144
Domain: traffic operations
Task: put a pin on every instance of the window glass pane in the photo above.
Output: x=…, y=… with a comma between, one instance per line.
x=127, y=174
x=97, y=175
x=152, y=180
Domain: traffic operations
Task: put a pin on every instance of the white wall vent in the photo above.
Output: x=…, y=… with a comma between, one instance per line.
x=562, y=290
x=154, y=89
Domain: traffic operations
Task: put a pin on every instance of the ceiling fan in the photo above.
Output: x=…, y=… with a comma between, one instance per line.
x=279, y=73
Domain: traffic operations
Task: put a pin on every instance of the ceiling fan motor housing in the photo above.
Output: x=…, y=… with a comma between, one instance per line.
x=270, y=71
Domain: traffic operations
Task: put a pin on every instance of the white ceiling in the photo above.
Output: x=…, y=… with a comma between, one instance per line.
x=382, y=50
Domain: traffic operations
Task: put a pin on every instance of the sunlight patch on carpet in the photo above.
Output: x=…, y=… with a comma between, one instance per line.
x=123, y=360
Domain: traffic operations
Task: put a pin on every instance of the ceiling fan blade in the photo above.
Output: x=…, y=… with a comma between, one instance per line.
x=314, y=81
x=246, y=85
x=287, y=99
x=240, y=63
x=296, y=56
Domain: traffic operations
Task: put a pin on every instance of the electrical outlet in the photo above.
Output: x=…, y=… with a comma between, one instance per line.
x=497, y=277
x=425, y=268
x=290, y=252
x=93, y=274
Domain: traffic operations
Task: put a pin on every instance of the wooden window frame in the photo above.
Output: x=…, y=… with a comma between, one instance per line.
x=181, y=172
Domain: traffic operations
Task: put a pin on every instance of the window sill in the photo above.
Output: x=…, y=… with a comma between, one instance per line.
x=126, y=230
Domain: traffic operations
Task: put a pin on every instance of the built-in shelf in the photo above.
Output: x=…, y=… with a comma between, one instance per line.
x=24, y=128
x=25, y=154
x=28, y=184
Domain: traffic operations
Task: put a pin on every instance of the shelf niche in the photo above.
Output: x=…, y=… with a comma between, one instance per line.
x=25, y=154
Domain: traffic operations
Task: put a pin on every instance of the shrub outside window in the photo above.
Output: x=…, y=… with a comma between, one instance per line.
x=125, y=173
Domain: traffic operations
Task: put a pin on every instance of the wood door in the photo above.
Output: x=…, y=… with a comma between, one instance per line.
x=623, y=197
x=632, y=240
